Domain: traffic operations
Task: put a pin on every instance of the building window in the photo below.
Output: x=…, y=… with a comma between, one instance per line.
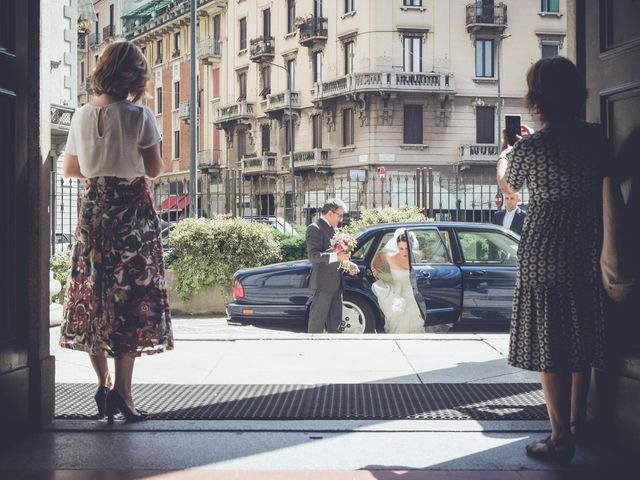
x=265, y=134
x=159, y=51
x=266, y=23
x=412, y=53
x=412, y=3
x=176, y=45
x=316, y=125
x=144, y=51
x=176, y=95
x=484, y=58
x=550, y=6
x=550, y=49
x=95, y=60
x=242, y=86
x=349, y=53
x=291, y=70
x=347, y=127
x=349, y=6
x=291, y=16
x=159, y=100
x=82, y=72
x=412, y=134
x=317, y=67
x=289, y=138
x=161, y=149
x=242, y=144
x=176, y=144
x=317, y=8
x=485, y=124
x=266, y=81
x=216, y=27
x=243, y=34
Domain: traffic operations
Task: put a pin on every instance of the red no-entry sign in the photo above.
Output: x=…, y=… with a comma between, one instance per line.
x=499, y=199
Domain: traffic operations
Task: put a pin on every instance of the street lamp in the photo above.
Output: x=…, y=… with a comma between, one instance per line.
x=291, y=146
x=501, y=37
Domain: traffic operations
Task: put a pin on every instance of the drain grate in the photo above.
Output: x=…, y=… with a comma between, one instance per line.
x=435, y=401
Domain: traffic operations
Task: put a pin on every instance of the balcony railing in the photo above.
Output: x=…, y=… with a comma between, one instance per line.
x=108, y=32
x=479, y=154
x=308, y=159
x=261, y=48
x=184, y=111
x=260, y=164
x=209, y=160
x=94, y=39
x=280, y=101
x=60, y=117
x=313, y=30
x=483, y=16
x=86, y=85
x=384, y=81
x=231, y=113
x=209, y=51
x=82, y=41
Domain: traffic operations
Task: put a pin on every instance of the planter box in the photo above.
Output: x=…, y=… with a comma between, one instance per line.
x=209, y=300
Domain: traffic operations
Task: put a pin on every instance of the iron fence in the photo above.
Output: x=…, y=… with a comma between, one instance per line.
x=446, y=197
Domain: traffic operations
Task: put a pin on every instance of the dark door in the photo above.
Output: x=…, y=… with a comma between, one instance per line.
x=265, y=133
x=14, y=264
x=438, y=279
x=488, y=274
x=266, y=23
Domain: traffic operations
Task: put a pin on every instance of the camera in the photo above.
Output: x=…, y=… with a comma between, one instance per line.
x=512, y=127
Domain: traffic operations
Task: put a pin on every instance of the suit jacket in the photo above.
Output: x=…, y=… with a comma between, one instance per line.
x=324, y=275
x=516, y=224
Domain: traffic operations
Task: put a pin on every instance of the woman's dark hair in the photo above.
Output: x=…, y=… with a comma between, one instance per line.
x=122, y=72
x=556, y=90
x=402, y=238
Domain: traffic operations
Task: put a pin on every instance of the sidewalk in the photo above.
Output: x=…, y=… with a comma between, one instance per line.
x=208, y=352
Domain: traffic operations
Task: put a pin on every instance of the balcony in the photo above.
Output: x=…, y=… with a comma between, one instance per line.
x=392, y=82
x=184, y=111
x=278, y=103
x=209, y=51
x=264, y=164
x=315, y=159
x=60, y=117
x=209, y=160
x=313, y=30
x=479, y=154
x=261, y=49
x=86, y=85
x=232, y=114
x=108, y=32
x=486, y=17
x=94, y=39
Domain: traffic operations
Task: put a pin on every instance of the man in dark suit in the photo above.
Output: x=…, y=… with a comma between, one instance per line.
x=512, y=217
x=326, y=278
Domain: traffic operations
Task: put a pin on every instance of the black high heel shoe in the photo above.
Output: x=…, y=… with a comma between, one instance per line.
x=115, y=404
x=101, y=400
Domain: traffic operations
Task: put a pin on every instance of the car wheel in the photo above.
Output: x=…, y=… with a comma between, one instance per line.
x=357, y=315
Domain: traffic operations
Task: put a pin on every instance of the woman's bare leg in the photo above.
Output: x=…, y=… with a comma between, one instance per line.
x=124, y=375
x=101, y=367
x=557, y=395
x=579, y=389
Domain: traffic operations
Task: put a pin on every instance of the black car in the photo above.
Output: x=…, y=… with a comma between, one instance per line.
x=464, y=271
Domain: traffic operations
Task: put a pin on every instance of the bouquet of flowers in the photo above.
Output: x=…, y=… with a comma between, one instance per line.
x=341, y=242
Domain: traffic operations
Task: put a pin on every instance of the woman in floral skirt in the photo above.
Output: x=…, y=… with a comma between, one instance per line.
x=116, y=302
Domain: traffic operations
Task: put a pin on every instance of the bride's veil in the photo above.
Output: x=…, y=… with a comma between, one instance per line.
x=392, y=245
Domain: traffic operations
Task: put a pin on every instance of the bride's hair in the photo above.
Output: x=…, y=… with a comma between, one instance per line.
x=402, y=238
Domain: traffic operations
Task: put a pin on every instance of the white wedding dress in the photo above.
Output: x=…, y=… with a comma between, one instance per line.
x=397, y=302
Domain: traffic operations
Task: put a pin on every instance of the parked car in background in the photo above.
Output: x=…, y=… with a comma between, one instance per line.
x=465, y=272
x=279, y=223
x=63, y=242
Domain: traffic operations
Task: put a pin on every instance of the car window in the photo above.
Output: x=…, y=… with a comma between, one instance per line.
x=488, y=247
x=431, y=247
x=286, y=280
x=360, y=253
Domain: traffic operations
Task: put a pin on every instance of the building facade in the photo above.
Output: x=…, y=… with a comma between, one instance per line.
x=364, y=93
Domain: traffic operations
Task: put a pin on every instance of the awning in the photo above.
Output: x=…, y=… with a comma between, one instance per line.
x=174, y=203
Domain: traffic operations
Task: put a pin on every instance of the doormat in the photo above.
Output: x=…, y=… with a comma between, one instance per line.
x=375, y=401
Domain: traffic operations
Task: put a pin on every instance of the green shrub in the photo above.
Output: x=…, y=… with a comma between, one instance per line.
x=59, y=265
x=208, y=252
x=385, y=215
x=293, y=247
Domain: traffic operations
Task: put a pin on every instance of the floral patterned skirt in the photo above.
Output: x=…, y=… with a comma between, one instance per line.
x=116, y=300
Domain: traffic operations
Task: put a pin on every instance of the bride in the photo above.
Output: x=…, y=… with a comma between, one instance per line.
x=393, y=287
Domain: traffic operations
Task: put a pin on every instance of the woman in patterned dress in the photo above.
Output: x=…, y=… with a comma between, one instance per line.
x=116, y=302
x=557, y=326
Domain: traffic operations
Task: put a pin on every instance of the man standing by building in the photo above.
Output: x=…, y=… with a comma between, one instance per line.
x=326, y=278
x=512, y=217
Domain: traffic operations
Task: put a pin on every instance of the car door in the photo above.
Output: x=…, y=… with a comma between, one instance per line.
x=488, y=274
x=438, y=279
